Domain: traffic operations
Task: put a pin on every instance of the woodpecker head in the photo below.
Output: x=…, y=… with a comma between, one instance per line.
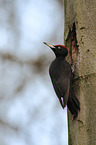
x=59, y=50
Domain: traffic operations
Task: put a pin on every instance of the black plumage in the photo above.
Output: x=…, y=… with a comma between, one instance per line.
x=61, y=76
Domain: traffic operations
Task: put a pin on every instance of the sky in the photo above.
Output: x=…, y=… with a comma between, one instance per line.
x=33, y=114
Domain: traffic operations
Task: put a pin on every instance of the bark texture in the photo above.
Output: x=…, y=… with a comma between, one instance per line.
x=80, y=38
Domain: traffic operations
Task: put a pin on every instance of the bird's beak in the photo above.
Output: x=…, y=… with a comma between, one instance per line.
x=51, y=46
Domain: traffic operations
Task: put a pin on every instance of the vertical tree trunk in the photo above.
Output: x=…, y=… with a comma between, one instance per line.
x=80, y=38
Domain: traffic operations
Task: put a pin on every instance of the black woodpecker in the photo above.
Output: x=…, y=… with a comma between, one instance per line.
x=61, y=76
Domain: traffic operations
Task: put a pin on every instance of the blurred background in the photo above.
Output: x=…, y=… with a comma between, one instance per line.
x=30, y=113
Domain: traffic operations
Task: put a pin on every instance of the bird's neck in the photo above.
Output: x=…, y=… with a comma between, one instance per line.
x=60, y=57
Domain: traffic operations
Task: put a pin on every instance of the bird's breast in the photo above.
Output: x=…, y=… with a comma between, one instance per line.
x=55, y=69
x=60, y=68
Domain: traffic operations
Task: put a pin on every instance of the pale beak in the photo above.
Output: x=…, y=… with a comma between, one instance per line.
x=51, y=46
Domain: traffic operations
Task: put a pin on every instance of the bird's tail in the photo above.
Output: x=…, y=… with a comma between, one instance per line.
x=73, y=105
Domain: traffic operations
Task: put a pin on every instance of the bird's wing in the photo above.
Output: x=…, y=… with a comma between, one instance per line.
x=65, y=87
x=62, y=88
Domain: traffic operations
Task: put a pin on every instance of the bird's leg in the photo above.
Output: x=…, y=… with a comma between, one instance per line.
x=73, y=67
x=73, y=71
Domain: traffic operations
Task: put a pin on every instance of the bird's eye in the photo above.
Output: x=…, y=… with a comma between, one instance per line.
x=58, y=47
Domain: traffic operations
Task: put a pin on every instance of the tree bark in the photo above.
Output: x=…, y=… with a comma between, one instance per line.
x=80, y=38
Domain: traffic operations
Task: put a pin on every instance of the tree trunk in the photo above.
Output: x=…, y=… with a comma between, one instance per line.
x=80, y=38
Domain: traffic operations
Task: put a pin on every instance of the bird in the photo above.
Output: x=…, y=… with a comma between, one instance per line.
x=62, y=77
